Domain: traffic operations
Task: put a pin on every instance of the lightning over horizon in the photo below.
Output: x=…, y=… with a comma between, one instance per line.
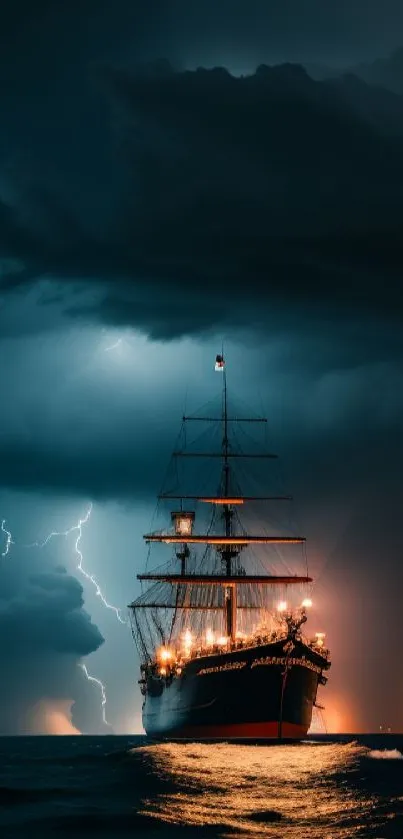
x=103, y=692
x=41, y=544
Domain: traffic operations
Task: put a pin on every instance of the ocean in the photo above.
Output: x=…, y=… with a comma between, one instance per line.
x=118, y=787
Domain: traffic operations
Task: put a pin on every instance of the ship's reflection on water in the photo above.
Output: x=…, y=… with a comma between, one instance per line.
x=289, y=791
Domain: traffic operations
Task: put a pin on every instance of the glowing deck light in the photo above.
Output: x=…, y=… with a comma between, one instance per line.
x=209, y=637
x=307, y=603
x=320, y=636
x=187, y=642
x=282, y=606
x=222, y=641
x=165, y=655
x=163, y=671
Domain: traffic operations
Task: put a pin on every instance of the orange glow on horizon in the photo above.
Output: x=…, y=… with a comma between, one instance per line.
x=340, y=715
x=52, y=716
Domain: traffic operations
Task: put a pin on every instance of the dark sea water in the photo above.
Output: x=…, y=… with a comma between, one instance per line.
x=127, y=787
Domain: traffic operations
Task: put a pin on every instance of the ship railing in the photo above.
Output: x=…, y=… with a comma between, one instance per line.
x=313, y=645
x=179, y=659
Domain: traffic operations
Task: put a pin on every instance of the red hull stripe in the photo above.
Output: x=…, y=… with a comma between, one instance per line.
x=246, y=729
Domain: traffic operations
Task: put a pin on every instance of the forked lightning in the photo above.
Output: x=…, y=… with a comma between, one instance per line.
x=78, y=529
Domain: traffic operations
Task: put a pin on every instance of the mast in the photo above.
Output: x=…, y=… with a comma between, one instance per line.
x=227, y=513
x=228, y=552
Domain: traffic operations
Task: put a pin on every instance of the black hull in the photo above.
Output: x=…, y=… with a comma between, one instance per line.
x=265, y=691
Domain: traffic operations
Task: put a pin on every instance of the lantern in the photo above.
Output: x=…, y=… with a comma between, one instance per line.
x=183, y=523
x=320, y=638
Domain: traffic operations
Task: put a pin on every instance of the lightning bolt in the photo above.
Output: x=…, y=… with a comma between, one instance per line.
x=9, y=540
x=114, y=346
x=78, y=528
x=88, y=576
x=103, y=692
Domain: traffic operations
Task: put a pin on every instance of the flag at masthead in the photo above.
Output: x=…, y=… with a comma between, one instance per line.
x=219, y=362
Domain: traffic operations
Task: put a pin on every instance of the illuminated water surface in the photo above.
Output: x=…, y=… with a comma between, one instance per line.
x=288, y=791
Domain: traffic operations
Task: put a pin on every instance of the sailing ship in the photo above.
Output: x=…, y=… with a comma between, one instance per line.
x=218, y=631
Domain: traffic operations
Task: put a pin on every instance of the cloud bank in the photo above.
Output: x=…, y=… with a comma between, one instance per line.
x=44, y=633
x=241, y=193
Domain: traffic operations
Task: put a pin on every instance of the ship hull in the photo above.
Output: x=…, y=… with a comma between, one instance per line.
x=261, y=692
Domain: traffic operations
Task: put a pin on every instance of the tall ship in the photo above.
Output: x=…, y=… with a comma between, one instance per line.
x=219, y=623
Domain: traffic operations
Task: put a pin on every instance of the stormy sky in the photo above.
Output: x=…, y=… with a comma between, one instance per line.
x=171, y=176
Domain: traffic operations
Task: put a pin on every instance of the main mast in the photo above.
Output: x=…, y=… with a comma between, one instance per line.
x=228, y=552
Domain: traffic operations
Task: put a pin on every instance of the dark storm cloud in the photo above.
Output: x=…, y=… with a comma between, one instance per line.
x=192, y=186
x=51, y=606
x=44, y=632
x=270, y=204
x=43, y=33
x=385, y=72
x=272, y=183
